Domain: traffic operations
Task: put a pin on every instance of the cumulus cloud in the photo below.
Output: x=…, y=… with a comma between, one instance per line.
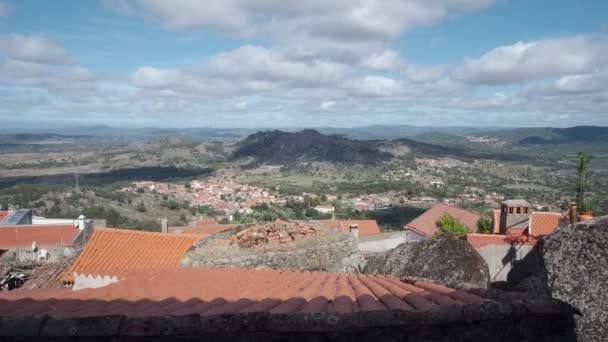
x=524, y=61
x=325, y=105
x=32, y=49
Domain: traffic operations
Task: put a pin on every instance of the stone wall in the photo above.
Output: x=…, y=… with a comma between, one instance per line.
x=501, y=258
x=55, y=254
x=380, y=243
x=328, y=250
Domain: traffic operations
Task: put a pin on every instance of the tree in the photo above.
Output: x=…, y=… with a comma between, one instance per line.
x=449, y=224
x=140, y=207
x=484, y=226
x=581, y=183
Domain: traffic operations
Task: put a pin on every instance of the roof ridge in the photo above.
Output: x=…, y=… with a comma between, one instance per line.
x=142, y=232
x=458, y=208
x=546, y=212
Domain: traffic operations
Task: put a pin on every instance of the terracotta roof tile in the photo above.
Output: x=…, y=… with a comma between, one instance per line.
x=544, y=223
x=44, y=235
x=366, y=227
x=110, y=251
x=426, y=224
x=3, y=214
x=231, y=291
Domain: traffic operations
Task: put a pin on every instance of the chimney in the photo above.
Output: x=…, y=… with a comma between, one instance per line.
x=514, y=214
x=81, y=222
x=354, y=230
x=164, y=226
x=573, y=212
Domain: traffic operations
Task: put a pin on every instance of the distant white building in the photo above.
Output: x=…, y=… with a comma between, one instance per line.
x=325, y=209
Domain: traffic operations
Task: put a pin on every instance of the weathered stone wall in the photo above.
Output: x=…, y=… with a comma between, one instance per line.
x=445, y=259
x=572, y=265
x=330, y=251
x=56, y=254
x=501, y=258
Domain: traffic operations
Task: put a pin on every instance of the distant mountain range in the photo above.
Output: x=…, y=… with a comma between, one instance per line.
x=550, y=136
x=363, y=132
x=283, y=148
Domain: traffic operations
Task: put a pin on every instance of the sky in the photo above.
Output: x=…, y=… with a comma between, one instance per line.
x=278, y=63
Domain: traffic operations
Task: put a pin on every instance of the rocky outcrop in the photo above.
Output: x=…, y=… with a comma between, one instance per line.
x=572, y=265
x=446, y=260
x=278, y=245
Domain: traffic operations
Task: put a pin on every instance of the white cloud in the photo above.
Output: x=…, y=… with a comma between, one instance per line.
x=53, y=78
x=32, y=49
x=262, y=64
x=325, y=105
x=522, y=62
x=386, y=60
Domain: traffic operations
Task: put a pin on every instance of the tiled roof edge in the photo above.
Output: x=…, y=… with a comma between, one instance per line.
x=195, y=325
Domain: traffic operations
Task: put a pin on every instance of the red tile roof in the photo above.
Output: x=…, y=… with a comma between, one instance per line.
x=3, y=214
x=366, y=227
x=544, y=223
x=209, y=292
x=426, y=224
x=110, y=251
x=44, y=235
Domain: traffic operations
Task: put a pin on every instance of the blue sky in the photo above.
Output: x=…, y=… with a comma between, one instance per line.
x=253, y=63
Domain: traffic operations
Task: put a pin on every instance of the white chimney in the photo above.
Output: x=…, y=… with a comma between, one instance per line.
x=164, y=226
x=81, y=222
x=354, y=230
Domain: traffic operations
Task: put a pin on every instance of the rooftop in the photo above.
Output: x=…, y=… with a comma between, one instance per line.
x=544, y=223
x=516, y=203
x=245, y=304
x=112, y=251
x=366, y=227
x=426, y=223
x=231, y=291
x=44, y=235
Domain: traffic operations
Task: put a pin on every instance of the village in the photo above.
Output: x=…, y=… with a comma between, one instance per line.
x=79, y=257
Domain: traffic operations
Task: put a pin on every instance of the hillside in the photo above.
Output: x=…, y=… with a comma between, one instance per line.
x=276, y=147
x=549, y=135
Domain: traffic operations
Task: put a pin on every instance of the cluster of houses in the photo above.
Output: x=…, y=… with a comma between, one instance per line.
x=79, y=269
x=225, y=195
x=24, y=237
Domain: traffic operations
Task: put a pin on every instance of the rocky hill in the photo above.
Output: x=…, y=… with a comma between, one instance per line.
x=277, y=147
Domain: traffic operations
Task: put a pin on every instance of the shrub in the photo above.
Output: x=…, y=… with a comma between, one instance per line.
x=484, y=226
x=449, y=224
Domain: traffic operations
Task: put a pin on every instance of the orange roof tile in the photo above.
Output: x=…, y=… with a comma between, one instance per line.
x=544, y=223
x=208, y=292
x=3, y=214
x=110, y=251
x=426, y=224
x=44, y=235
x=366, y=227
